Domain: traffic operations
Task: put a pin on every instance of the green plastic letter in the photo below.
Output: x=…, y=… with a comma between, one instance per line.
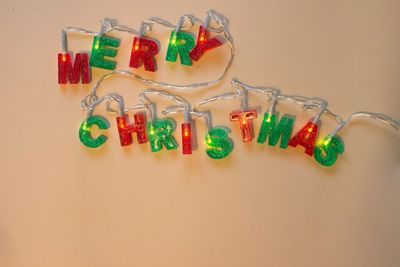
x=85, y=131
x=273, y=130
x=160, y=133
x=220, y=145
x=327, y=150
x=102, y=48
x=180, y=43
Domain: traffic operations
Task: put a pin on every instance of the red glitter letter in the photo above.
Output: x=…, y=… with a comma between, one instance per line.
x=126, y=129
x=186, y=138
x=72, y=72
x=143, y=51
x=245, y=119
x=203, y=44
x=309, y=129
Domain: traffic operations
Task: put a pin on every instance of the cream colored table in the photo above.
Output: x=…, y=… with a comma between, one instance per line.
x=62, y=204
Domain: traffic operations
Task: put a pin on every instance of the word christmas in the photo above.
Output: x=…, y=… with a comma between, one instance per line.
x=159, y=133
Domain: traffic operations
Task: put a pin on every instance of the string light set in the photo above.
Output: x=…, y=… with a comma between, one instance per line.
x=158, y=132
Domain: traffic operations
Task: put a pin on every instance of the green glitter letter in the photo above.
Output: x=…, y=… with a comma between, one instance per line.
x=219, y=142
x=326, y=151
x=85, y=135
x=273, y=130
x=182, y=43
x=160, y=133
x=100, y=49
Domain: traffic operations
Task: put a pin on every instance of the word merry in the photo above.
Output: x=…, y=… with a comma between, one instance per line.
x=159, y=134
x=143, y=53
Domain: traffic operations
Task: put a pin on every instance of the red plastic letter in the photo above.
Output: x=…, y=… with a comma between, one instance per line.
x=126, y=129
x=143, y=52
x=310, y=130
x=186, y=138
x=203, y=44
x=245, y=119
x=68, y=71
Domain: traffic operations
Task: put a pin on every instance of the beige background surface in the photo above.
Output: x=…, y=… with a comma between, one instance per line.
x=64, y=205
